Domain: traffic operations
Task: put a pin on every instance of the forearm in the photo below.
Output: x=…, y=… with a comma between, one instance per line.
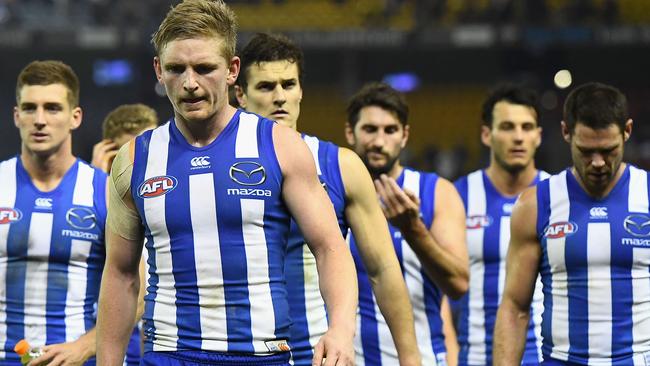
x=393, y=301
x=117, y=309
x=338, y=285
x=445, y=269
x=510, y=334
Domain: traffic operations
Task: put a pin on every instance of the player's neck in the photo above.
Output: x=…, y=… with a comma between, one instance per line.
x=396, y=170
x=508, y=183
x=202, y=133
x=47, y=170
x=599, y=194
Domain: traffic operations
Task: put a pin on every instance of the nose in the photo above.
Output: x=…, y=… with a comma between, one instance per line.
x=379, y=139
x=40, y=117
x=279, y=95
x=519, y=135
x=597, y=160
x=190, y=84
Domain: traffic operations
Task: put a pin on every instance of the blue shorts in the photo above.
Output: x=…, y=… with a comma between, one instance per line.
x=201, y=358
x=553, y=362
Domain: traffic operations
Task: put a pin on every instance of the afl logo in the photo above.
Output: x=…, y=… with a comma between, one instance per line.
x=9, y=215
x=560, y=230
x=247, y=173
x=478, y=221
x=157, y=186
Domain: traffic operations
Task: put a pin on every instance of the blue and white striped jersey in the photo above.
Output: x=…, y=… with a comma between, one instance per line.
x=595, y=270
x=216, y=232
x=306, y=306
x=373, y=342
x=488, y=235
x=51, y=255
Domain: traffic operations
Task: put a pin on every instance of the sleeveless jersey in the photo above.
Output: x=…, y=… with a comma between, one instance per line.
x=488, y=235
x=216, y=231
x=595, y=270
x=373, y=341
x=306, y=306
x=51, y=255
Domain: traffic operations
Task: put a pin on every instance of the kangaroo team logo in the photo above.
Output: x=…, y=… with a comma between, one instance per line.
x=478, y=221
x=81, y=218
x=560, y=229
x=9, y=215
x=637, y=224
x=247, y=173
x=157, y=186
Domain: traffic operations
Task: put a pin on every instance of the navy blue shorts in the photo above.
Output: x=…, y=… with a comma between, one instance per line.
x=201, y=358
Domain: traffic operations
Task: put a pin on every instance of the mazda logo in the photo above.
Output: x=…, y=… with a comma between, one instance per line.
x=247, y=173
x=637, y=225
x=81, y=218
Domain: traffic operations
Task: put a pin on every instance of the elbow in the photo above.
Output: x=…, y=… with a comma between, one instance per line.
x=458, y=288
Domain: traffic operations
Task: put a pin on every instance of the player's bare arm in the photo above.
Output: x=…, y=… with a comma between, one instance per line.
x=118, y=296
x=317, y=221
x=375, y=246
x=522, y=265
x=441, y=248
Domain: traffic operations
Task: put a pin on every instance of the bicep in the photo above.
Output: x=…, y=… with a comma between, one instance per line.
x=123, y=218
x=448, y=226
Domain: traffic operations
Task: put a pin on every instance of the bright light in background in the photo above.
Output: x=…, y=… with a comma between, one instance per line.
x=563, y=79
x=404, y=82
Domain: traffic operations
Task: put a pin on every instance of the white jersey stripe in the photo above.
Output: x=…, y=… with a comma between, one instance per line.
x=40, y=235
x=638, y=202
x=207, y=259
x=358, y=347
x=315, y=309
x=599, y=291
x=83, y=189
x=504, y=241
x=413, y=278
x=7, y=199
x=559, y=199
x=262, y=312
x=476, y=206
x=164, y=313
x=246, y=143
x=77, y=285
x=313, y=143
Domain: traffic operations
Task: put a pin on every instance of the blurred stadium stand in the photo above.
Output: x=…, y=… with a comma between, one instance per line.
x=445, y=54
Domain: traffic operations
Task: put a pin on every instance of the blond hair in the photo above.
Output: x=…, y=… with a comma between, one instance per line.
x=198, y=19
x=128, y=118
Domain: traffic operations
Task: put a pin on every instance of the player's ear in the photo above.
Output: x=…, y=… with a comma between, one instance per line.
x=627, y=132
x=157, y=68
x=405, y=138
x=566, y=133
x=77, y=115
x=241, y=96
x=349, y=134
x=486, y=135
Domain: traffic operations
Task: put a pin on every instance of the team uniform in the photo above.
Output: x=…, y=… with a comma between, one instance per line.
x=306, y=306
x=51, y=256
x=373, y=342
x=488, y=235
x=595, y=270
x=216, y=231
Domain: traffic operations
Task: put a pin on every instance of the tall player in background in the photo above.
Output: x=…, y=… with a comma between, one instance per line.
x=427, y=223
x=270, y=85
x=215, y=188
x=52, y=215
x=511, y=132
x=585, y=230
x=121, y=125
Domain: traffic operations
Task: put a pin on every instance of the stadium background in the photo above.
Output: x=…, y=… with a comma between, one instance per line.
x=444, y=54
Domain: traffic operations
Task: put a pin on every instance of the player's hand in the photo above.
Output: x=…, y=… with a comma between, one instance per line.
x=103, y=154
x=62, y=354
x=401, y=207
x=334, y=349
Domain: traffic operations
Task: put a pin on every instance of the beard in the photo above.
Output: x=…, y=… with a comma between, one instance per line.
x=376, y=171
x=510, y=168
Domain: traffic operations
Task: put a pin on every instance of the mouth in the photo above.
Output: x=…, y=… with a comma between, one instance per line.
x=518, y=152
x=39, y=136
x=279, y=113
x=192, y=101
